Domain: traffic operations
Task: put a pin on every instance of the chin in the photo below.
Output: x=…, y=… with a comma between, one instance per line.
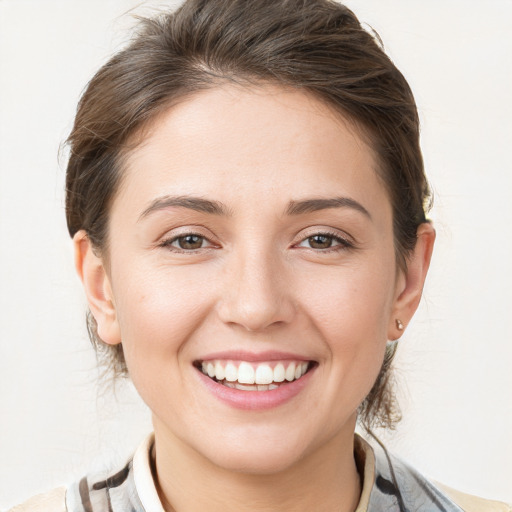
x=256, y=462
x=254, y=452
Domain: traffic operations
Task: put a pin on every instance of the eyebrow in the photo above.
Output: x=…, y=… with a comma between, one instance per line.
x=314, y=205
x=192, y=203
x=202, y=205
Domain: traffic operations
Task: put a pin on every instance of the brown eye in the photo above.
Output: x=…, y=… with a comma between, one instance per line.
x=320, y=241
x=325, y=242
x=190, y=242
x=187, y=243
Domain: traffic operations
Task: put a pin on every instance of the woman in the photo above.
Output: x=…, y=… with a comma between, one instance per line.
x=247, y=201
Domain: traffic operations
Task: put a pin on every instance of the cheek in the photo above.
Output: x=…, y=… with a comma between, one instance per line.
x=353, y=304
x=157, y=312
x=351, y=315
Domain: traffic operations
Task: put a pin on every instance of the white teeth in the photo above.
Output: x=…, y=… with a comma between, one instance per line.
x=254, y=387
x=253, y=375
x=229, y=384
x=219, y=371
x=246, y=374
x=244, y=387
x=264, y=374
x=279, y=373
x=290, y=372
x=231, y=372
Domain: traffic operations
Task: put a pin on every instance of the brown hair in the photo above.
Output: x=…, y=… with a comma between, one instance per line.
x=317, y=46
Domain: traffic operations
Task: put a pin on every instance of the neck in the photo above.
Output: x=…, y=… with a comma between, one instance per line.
x=187, y=482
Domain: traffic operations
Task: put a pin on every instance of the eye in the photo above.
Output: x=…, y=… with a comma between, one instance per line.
x=324, y=241
x=190, y=242
x=320, y=241
x=187, y=242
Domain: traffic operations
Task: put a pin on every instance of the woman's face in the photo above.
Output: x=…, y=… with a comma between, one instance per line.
x=252, y=238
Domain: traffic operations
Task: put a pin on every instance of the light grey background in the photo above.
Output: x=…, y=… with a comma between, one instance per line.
x=454, y=363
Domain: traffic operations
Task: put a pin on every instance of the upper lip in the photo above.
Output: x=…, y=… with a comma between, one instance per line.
x=242, y=355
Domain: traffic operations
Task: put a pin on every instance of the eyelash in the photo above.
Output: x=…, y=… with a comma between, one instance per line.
x=168, y=243
x=342, y=244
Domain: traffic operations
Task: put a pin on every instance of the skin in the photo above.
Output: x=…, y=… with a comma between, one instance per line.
x=257, y=282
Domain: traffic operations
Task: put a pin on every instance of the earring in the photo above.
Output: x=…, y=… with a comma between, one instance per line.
x=399, y=324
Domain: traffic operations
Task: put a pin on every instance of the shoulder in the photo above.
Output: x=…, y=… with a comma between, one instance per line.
x=470, y=503
x=395, y=485
x=116, y=490
x=52, y=501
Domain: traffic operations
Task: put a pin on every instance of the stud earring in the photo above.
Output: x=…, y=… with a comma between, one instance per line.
x=399, y=324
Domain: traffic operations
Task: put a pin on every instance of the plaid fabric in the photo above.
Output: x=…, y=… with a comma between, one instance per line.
x=389, y=485
x=397, y=487
x=101, y=493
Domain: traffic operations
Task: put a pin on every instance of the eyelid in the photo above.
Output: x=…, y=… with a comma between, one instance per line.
x=172, y=236
x=344, y=240
x=325, y=230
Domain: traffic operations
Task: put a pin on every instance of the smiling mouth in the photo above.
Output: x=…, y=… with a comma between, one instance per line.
x=245, y=376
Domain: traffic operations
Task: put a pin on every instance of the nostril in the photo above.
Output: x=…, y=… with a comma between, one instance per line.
x=256, y=306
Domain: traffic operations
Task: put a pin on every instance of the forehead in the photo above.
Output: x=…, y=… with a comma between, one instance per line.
x=237, y=143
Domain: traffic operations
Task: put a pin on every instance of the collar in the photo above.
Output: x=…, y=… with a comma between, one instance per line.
x=148, y=495
x=365, y=461
x=143, y=476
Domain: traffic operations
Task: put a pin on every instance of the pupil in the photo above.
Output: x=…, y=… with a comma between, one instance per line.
x=320, y=241
x=190, y=242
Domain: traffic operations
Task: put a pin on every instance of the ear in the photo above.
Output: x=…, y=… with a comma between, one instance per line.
x=410, y=282
x=98, y=290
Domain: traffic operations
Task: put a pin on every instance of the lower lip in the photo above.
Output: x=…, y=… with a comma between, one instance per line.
x=256, y=400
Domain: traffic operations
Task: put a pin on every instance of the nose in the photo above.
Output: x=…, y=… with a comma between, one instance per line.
x=256, y=294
